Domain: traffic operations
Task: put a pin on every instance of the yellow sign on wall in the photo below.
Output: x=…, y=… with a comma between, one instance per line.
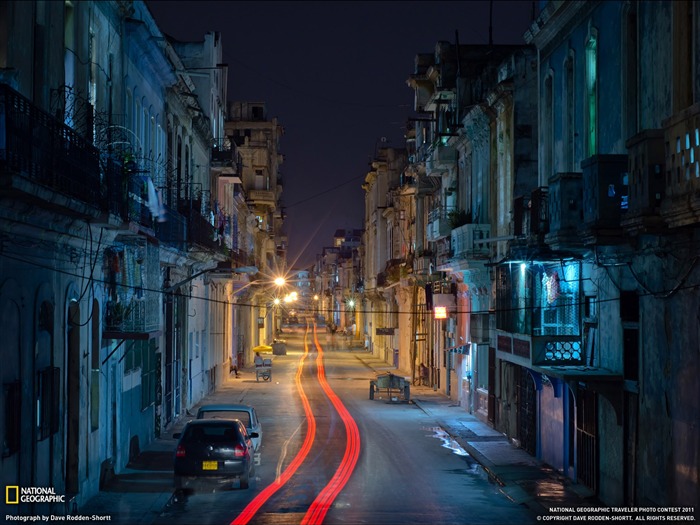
x=440, y=312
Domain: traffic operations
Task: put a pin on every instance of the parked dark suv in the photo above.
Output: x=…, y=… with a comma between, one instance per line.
x=213, y=450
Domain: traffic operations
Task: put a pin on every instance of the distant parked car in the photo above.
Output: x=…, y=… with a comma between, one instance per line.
x=245, y=413
x=218, y=451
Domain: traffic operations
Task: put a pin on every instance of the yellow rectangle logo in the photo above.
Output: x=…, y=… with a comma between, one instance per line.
x=8, y=490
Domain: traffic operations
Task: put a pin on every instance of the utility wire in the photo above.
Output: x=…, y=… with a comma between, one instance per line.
x=397, y=312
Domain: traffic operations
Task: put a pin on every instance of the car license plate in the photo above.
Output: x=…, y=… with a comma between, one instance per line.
x=210, y=465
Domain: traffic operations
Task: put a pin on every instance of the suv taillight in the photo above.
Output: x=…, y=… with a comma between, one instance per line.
x=240, y=451
x=180, y=452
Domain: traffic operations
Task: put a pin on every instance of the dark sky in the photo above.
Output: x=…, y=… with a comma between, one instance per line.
x=334, y=74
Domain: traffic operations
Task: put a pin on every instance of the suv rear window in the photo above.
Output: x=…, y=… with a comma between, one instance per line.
x=211, y=433
x=241, y=415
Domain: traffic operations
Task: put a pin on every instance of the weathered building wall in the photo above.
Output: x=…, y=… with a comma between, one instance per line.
x=551, y=430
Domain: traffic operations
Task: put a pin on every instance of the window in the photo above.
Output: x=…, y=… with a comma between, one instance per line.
x=95, y=368
x=132, y=357
x=48, y=394
x=148, y=373
x=629, y=306
x=143, y=355
x=569, y=127
x=592, y=92
x=547, y=130
x=629, y=315
x=629, y=56
x=482, y=366
x=12, y=392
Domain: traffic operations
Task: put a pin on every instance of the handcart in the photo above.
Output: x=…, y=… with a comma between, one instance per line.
x=396, y=387
x=264, y=370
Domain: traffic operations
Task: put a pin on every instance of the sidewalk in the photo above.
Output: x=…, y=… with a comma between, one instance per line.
x=522, y=478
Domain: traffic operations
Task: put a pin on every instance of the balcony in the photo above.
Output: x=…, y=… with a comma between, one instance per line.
x=173, y=230
x=138, y=212
x=421, y=264
x=605, y=183
x=438, y=226
x=132, y=274
x=262, y=198
x=646, y=156
x=394, y=271
x=681, y=204
x=41, y=157
x=538, y=312
x=565, y=211
x=468, y=241
x=440, y=159
x=533, y=350
x=531, y=218
x=201, y=233
x=222, y=154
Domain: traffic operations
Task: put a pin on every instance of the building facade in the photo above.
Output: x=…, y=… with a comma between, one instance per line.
x=130, y=235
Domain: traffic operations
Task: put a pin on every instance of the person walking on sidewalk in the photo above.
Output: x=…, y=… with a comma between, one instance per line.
x=423, y=374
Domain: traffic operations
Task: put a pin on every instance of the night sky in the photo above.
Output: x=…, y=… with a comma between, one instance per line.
x=334, y=74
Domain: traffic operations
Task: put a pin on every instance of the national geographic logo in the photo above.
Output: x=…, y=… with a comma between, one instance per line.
x=11, y=495
x=14, y=494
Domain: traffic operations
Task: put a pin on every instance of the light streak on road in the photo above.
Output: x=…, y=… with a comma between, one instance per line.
x=321, y=505
x=249, y=511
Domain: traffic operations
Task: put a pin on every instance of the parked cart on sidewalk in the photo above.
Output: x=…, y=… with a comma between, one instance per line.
x=396, y=387
x=264, y=370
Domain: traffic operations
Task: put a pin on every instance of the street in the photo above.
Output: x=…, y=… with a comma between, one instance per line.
x=396, y=470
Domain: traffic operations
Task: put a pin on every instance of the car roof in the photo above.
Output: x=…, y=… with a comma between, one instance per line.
x=213, y=422
x=223, y=407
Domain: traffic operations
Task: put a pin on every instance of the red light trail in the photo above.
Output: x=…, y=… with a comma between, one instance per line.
x=321, y=505
x=249, y=511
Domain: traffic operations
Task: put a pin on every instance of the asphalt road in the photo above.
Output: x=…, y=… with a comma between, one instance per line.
x=331, y=455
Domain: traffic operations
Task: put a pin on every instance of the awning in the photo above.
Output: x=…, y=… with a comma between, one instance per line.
x=605, y=382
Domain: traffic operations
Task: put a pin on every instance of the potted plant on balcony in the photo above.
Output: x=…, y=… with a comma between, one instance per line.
x=459, y=218
x=117, y=313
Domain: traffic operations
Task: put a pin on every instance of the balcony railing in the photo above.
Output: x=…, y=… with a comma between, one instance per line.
x=565, y=211
x=222, y=153
x=35, y=145
x=605, y=198
x=173, y=230
x=200, y=232
x=541, y=350
x=438, y=225
x=441, y=158
x=681, y=204
x=262, y=197
x=133, y=280
x=421, y=264
x=646, y=181
x=138, y=210
x=468, y=241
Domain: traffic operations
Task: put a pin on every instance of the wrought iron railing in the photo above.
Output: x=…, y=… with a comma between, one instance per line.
x=39, y=147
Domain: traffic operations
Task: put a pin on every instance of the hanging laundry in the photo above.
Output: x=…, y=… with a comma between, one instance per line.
x=153, y=200
x=551, y=284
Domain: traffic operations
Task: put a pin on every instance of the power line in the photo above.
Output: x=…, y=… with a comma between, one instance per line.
x=311, y=310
